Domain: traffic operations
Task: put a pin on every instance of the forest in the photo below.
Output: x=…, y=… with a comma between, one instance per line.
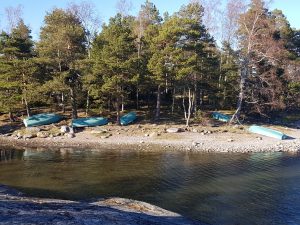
x=163, y=65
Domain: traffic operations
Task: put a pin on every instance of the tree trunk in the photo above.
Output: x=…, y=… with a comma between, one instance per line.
x=118, y=110
x=137, y=96
x=87, y=109
x=195, y=98
x=173, y=101
x=11, y=116
x=158, y=102
x=122, y=104
x=63, y=102
x=244, y=74
x=188, y=112
x=73, y=103
x=27, y=107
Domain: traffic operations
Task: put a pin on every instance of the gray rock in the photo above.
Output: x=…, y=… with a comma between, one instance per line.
x=153, y=134
x=173, y=130
x=19, y=209
x=32, y=129
x=42, y=134
x=64, y=129
x=71, y=130
x=28, y=136
x=71, y=135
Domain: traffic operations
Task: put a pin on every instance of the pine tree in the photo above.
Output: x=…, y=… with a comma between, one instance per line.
x=18, y=71
x=114, y=55
x=63, y=43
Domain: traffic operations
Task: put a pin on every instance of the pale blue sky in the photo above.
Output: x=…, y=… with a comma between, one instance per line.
x=35, y=10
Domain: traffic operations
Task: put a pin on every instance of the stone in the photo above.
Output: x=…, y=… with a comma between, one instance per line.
x=259, y=138
x=195, y=144
x=28, y=136
x=153, y=134
x=146, y=135
x=32, y=129
x=71, y=135
x=98, y=131
x=42, y=134
x=173, y=130
x=105, y=136
x=195, y=130
x=64, y=129
x=230, y=140
x=71, y=130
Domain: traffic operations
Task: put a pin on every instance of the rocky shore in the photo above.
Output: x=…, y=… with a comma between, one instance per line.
x=16, y=208
x=154, y=138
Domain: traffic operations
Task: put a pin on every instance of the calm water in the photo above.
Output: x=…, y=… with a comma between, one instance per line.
x=213, y=188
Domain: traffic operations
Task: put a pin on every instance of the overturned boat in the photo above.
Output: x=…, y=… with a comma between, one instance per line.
x=42, y=119
x=89, y=122
x=221, y=117
x=128, y=118
x=267, y=132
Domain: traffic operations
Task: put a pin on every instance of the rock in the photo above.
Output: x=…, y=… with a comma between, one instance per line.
x=32, y=129
x=259, y=138
x=28, y=136
x=153, y=134
x=230, y=140
x=195, y=130
x=139, y=126
x=64, y=129
x=42, y=134
x=146, y=135
x=71, y=130
x=105, y=136
x=195, y=144
x=173, y=130
x=71, y=135
x=202, y=133
x=98, y=131
x=141, y=142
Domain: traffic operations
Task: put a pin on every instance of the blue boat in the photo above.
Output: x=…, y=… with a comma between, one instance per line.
x=267, y=132
x=128, y=118
x=89, y=122
x=42, y=119
x=221, y=117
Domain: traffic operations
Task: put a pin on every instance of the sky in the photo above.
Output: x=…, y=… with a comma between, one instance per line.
x=35, y=10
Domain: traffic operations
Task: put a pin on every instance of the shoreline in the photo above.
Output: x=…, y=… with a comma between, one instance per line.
x=149, y=138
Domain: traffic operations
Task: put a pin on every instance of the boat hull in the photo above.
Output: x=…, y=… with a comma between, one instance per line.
x=42, y=119
x=267, y=132
x=221, y=117
x=89, y=122
x=128, y=118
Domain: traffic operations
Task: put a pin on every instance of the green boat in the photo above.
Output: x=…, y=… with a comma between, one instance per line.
x=89, y=122
x=267, y=132
x=221, y=117
x=42, y=119
x=128, y=118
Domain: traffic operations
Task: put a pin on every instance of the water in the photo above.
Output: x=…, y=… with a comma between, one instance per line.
x=221, y=189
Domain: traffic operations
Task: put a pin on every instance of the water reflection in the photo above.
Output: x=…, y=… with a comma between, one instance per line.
x=214, y=188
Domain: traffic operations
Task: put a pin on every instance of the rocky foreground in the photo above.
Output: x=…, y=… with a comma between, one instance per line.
x=15, y=208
